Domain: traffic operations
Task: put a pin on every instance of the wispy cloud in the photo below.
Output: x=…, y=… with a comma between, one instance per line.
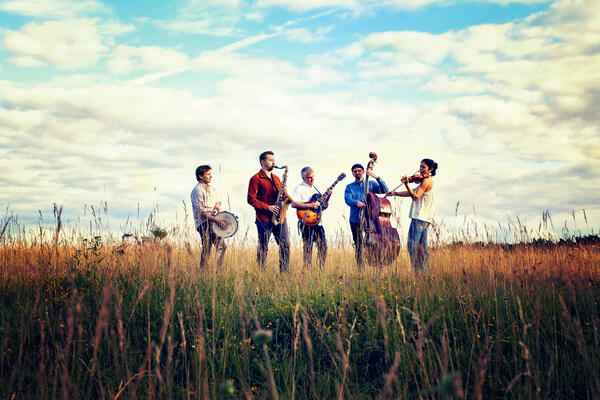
x=305, y=35
x=54, y=9
x=209, y=17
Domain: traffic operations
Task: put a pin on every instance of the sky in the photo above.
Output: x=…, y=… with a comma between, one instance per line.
x=115, y=103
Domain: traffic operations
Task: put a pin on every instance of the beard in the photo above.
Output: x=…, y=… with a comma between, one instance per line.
x=270, y=168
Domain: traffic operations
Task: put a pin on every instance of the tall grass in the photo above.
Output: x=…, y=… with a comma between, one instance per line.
x=139, y=319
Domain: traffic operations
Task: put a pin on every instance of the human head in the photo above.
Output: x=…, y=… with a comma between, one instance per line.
x=267, y=160
x=308, y=175
x=201, y=171
x=431, y=166
x=357, y=171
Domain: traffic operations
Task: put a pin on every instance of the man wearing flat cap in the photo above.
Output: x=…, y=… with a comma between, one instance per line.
x=355, y=198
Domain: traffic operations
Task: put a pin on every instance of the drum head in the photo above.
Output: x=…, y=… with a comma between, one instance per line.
x=230, y=220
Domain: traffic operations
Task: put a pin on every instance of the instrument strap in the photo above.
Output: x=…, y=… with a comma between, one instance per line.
x=272, y=181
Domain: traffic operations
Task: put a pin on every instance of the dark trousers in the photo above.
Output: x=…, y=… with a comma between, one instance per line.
x=311, y=235
x=208, y=240
x=358, y=243
x=282, y=237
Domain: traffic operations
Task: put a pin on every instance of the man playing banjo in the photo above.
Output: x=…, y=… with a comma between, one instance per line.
x=205, y=205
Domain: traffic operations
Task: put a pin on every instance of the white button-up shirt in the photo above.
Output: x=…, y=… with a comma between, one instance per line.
x=204, y=199
x=303, y=193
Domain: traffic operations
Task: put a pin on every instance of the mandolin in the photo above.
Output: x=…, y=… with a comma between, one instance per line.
x=313, y=216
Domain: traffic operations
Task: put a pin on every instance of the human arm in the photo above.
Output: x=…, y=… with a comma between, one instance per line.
x=425, y=186
x=305, y=206
x=200, y=204
x=378, y=186
x=404, y=193
x=252, y=195
x=222, y=224
x=348, y=198
x=300, y=195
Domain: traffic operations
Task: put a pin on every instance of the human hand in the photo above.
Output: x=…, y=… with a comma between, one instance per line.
x=273, y=209
x=220, y=223
x=360, y=204
x=372, y=174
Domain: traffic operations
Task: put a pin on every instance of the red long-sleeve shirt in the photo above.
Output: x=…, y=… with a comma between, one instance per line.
x=262, y=193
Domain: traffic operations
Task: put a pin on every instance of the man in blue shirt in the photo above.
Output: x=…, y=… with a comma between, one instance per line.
x=355, y=197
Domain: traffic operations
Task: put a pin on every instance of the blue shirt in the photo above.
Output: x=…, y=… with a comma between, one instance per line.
x=356, y=192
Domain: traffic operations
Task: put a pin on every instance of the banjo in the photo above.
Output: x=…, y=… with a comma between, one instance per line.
x=231, y=221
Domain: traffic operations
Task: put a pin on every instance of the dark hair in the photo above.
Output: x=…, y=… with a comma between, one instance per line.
x=432, y=165
x=305, y=170
x=201, y=170
x=264, y=154
x=357, y=166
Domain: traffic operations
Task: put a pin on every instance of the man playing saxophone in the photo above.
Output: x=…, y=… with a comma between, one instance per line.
x=263, y=191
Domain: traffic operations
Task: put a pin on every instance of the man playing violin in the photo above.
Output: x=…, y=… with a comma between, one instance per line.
x=315, y=233
x=205, y=205
x=421, y=212
x=354, y=197
x=262, y=195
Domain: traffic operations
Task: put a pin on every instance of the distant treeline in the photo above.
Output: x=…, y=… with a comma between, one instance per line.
x=592, y=239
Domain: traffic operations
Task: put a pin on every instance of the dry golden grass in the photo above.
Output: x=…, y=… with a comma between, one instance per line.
x=103, y=319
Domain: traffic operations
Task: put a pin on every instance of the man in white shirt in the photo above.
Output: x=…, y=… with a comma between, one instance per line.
x=303, y=193
x=205, y=205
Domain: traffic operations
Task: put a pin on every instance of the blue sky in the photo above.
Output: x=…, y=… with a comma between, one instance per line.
x=120, y=101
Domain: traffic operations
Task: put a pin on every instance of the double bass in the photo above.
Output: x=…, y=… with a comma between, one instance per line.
x=381, y=240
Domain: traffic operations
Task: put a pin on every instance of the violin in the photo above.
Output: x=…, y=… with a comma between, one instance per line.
x=416, y=178
x=382, y=241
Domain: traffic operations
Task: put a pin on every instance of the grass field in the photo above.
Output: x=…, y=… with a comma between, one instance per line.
x=102, y=319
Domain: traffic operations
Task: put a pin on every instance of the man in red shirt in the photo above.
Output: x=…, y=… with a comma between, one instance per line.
x=262, y=195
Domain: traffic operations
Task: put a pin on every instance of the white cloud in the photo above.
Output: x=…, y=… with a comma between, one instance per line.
x=114, y=28
x=126, y=59
x=455, y=85
x=255, y=16
x=66, y=44
x=213, y=17
x=414, y=46
x=304, y=35
x=26, y=61
x=53, y=9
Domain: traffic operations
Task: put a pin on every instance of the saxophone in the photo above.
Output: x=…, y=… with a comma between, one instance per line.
x=281, y=202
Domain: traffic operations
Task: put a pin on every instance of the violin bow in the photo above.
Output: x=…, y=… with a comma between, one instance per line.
x=394, y=189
